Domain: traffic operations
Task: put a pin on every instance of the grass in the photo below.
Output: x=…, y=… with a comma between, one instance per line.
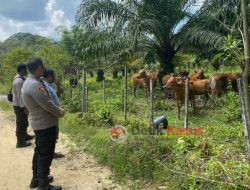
x=214, y=160
x=5, y=106
x=4, y=89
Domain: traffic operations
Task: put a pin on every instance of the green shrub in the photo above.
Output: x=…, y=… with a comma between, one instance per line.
x=161, y=105
x=232, y=110
x=105, y=115
x=74, y=102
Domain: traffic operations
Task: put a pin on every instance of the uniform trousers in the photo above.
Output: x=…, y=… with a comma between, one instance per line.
x=21, y=123
x=45, y=141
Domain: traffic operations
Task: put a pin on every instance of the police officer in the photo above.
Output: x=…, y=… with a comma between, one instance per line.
x=19, y=108
x=44, y=115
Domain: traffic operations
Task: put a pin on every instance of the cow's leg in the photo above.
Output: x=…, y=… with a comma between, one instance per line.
x=219, y=94
x=213, y=86
x=206, y=98
x=178, y=109
x=234, y=85
x=146, y=93
x=135, y=91
x=193, y=103
x=213, y=95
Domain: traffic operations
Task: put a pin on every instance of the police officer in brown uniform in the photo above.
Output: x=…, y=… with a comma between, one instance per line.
x=44, y=115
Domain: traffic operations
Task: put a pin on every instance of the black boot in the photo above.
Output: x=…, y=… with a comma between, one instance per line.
x=49, y=187
x=22, y=144
x=29, y=137
x=34, y=181
x=58, y=155
x=44, y=185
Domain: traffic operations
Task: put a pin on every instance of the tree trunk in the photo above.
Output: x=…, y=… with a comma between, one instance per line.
x=123, y=72
x=247, y=59
x=91, y=73
x=125, y=94
x=84, y=93
x=129, y=70
x=247, y=55
x=167, y=65
x=115, y=74
x=77, y=80
x=100, y=76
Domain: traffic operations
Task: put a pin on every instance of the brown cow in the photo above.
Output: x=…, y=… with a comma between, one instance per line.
x=146, y=80
x=136, y=82
x=198, y=75
x=218, y=84
x=232, y=78
x=179, y=88
x=154, y=76
x=200, y=87
x=169, y=93
x=165, y=79
x=220, y=81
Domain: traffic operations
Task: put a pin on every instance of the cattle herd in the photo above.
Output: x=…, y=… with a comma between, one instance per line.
x=199, y=84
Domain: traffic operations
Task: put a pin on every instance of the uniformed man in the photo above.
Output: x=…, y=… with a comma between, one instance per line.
x=44, y=115
x=19, y=108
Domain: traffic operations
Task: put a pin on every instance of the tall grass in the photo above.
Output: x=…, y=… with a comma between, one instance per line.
x=214, y=160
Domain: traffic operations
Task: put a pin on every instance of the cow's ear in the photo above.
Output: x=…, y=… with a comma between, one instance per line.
x=191, y=82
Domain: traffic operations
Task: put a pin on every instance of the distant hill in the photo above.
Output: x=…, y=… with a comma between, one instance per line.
x=22, y=40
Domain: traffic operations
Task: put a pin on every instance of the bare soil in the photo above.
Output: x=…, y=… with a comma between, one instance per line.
x=76, y=171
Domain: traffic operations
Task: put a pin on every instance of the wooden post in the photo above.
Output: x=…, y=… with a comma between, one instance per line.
x=244, y=116
x=104, y=91
x=245, y=38
x=84, y=88
x=151, y=103
x=78, y=80
x=87, y=99
x=125, y=93
x=186, y=103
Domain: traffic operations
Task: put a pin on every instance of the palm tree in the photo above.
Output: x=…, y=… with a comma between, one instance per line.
x=140, y=27
x=215, y=21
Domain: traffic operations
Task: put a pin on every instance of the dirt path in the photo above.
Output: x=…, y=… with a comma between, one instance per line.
x=77, y=171
x=3, y=97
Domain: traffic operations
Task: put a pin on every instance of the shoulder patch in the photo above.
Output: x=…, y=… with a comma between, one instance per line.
x=41, y=89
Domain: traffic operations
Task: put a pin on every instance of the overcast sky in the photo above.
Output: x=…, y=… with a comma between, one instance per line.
x=35, y=16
